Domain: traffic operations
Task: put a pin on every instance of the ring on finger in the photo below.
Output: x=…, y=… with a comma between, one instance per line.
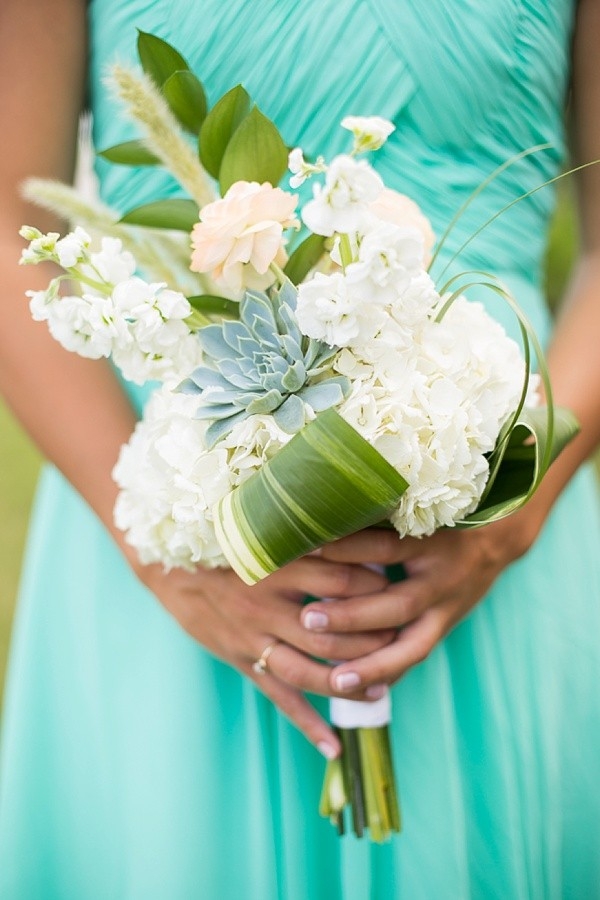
x=261, y=665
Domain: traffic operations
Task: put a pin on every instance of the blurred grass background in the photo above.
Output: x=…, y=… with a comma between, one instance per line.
x=20, y=462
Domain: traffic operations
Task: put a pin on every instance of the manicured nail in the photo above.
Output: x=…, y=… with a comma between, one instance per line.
x=314, y=620
x=376, y=691
x=328, y=750
x=347, y=680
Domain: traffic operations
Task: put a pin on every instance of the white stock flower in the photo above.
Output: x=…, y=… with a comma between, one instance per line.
x=88, y=325
x=112, y=263
x=300, y=169
x=73, y=248
x=161, y=346
x=41, y=246
x=342, y=203
x=388, y=258
x=331, y=310
x=390, y=206
x=370, y=132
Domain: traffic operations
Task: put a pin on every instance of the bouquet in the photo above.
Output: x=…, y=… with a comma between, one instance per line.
x=306, y=394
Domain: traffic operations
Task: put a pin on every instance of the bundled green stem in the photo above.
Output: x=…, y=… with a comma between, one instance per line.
x=363, y=780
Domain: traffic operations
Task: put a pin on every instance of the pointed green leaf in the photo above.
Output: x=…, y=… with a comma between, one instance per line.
x=179, y=215
x=130, y=153
x=215, y=306
x=326, y=483
x=185, y=95
x=158, y=58
x=304, y=258
x=256, y=152
x=219, y=125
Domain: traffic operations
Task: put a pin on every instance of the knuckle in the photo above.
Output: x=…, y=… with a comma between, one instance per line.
x=338, y=580
x=323, y=645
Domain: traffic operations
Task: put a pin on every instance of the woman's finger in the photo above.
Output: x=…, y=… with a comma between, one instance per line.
x=397, y=605
x=299, y=671
x=413, y=645
x=323, y=578
x=299, y=711
x=381, y=546
x=322, y=643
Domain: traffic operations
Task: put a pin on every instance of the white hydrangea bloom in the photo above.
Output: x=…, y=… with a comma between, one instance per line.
x=370, y=132
x=342, y=203
x=252, y=442
x=433, y=406
x=169, y=484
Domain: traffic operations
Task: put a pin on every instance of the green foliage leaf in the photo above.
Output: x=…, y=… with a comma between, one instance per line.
x=130, y=153
x=158, y=58
x=304, y=258
x=256, y=152
x=210, y=305
x=180, y=215
x=219, y=125
x=185, y=95
x=522, y=462
x=326, y=483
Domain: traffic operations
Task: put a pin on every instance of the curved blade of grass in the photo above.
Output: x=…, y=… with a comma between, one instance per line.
x=491, y=177
x=326, y=483
x=504, y=209
x=520, y=470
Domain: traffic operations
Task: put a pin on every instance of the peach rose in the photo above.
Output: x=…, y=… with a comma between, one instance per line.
x=239, y=236
x=398, y=209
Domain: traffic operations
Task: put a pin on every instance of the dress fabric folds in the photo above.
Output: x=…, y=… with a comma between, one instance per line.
x=137, y=767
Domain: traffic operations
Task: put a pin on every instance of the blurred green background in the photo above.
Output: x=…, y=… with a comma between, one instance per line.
x=20, y=462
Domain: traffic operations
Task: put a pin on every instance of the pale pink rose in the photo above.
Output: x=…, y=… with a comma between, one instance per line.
x=240, y=235
x=399, y=209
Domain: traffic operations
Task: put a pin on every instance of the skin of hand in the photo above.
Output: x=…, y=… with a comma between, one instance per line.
x=449, y=572
x=78, y=415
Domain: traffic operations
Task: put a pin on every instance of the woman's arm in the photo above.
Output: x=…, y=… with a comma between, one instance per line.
x=451, y=571
x=78, y=415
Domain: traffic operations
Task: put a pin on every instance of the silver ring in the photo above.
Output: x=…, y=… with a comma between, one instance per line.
x=261, y=664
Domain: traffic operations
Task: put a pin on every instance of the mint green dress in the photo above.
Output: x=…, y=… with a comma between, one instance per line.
x=135, y=766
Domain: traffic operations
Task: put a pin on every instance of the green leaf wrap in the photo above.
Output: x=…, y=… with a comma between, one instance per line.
x=326, y=483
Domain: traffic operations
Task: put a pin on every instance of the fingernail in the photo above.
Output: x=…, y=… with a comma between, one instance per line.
x=347, y=680
x=328, y=750
x=376, y=691
x=314, y=620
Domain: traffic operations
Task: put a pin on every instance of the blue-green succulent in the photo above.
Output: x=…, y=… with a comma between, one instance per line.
x=263, y=364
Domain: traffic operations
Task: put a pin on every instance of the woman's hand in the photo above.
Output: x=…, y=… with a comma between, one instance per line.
x=447, y=574
x=236, y=623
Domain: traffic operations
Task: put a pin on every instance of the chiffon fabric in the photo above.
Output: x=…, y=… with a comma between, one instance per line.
x=136, y=766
